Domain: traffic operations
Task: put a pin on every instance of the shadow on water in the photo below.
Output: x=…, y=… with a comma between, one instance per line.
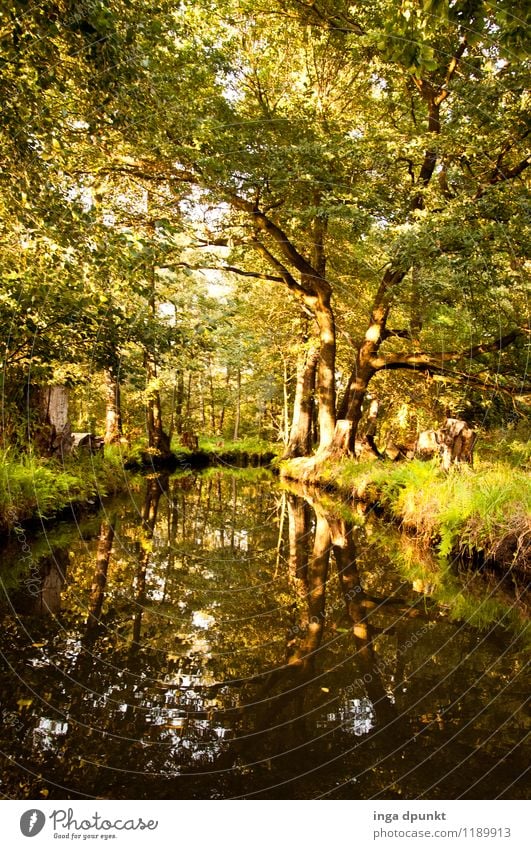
x=218, y=637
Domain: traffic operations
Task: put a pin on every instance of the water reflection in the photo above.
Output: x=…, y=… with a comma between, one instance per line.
x=194, y=644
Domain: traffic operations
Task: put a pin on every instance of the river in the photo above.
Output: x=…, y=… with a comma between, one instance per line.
x=219, y=636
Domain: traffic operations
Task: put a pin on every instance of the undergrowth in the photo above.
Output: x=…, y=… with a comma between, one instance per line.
x=36, y=487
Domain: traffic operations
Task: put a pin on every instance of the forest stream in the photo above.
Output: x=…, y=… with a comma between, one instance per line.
x=218, y=636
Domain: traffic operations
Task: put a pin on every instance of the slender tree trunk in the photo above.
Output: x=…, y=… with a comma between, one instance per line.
x=158, y=440
x=179, y=401
x=188, y=399
x=202, y=402
x=154, y=489
x=224, y=402
x=113, y=408
x=326, y=378
x=300, y=437
x=212, y=399
x=285, y=411
x=236, y=432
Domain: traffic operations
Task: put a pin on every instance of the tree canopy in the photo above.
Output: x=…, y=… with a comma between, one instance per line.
x=196, y=196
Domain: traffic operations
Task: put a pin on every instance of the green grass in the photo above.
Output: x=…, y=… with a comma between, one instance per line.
x=35, y=487
x=218, y=445
x=484, y=509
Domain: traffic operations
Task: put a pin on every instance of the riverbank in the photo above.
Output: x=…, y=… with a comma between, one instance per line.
x=33, y=489
x=480, y=516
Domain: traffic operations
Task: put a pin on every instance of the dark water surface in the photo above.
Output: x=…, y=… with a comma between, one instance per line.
x=217, y=637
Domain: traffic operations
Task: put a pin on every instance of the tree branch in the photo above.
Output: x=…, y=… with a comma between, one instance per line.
x=285, y=275
x=462, y=377
x=500, y=174
x=422, y=360
x=258, y=275
x=288, y=249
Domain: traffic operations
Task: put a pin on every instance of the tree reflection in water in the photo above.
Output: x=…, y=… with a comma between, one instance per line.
x=193, y=646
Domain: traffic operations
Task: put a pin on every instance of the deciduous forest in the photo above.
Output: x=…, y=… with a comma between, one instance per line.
x=265, y=233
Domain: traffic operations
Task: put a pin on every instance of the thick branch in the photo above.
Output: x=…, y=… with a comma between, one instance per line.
x=285, y=275
x=290, y=252
x=500, y=174
x=461, y=377
x=452, y=68
x=422, y=360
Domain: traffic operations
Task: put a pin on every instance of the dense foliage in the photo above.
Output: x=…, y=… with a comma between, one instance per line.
x=204, y=203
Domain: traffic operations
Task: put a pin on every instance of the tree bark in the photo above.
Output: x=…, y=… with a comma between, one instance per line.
x=212, y=398
x=113, y=410
x=179, y=401
x=341, y=443
x=237, y=412
x=352, y=404
x=300, y=436
x=54, y=436
x=158, y=440
x=326, y=378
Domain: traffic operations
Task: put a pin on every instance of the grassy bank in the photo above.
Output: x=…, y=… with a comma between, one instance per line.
x=482, y=513
x=34, y=488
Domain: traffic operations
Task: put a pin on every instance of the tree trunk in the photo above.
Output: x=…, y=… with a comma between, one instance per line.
x=317, y=578
x=300, y=437
x=341, y=443
x=299, y=521
x=158, y=440
x=212, y=398
x=364, y=632
x=113, y=411
x=370, y=432
x=99, y=580
x=155, y=487
x=189, y=398
x=352, y=405
x=326, y=378
x=224, y=403
x=202, y=403
x=179, y=401
x=236, y=433
x=54, y=436
x=285, y=409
